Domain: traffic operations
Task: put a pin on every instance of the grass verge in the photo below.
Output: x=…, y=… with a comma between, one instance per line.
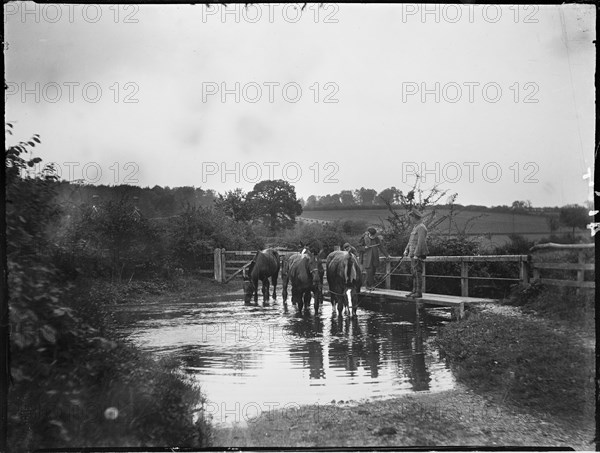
x=523, y=361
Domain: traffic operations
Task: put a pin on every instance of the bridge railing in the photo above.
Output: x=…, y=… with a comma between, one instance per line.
x=229, y=263
x=534, y=266
x=466, y=262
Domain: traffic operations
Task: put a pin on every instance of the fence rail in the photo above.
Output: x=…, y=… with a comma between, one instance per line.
x=529, y=266
x=464, y=261
x=540, y=263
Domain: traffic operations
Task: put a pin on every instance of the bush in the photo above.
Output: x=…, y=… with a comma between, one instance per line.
x=66, y=370
x=556, y=303
x=517, y=245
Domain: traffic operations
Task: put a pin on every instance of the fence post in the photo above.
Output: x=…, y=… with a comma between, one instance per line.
x=464, y=279
x=536, y=272
x=524, y=271
x=388, y=277
x=580, y=272
x=223, y=266
x=218, y=267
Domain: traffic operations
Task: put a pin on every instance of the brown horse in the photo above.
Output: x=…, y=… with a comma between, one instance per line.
x=344, y=278
x=306, y=274
x=265, y=264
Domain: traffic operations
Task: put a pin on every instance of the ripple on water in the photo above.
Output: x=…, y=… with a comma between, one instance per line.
x=261, y=357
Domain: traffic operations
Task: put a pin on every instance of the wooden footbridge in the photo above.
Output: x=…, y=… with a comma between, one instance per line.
x=544, y=263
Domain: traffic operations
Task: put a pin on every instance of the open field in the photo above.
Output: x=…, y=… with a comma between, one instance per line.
x=496, y=225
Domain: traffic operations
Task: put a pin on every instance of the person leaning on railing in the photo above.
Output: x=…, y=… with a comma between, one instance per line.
x=417, y=251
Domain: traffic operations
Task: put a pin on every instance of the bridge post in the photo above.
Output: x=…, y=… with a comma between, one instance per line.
x=464, y=279
x=220, y=265
x=223, y=266
x=524, y=271
x=388, y=276
x=217, y=265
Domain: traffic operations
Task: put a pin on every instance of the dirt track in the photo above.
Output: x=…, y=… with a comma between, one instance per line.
x=451, y=418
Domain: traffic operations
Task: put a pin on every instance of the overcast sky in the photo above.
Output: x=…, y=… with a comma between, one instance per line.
x=495, y=103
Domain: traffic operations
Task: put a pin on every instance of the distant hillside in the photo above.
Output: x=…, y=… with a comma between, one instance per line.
x=496, y=225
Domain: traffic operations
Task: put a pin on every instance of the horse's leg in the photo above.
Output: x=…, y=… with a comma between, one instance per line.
x=284, y=284
x=340, y=306
x=297, y=298
x=274, y=281
x=307, y=296
x=265, y=289
x=255, y=290
x=317, y=298
x=354, y=303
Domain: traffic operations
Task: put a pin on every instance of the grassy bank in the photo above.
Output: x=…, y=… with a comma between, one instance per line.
x=83, y=387
x=537, y=356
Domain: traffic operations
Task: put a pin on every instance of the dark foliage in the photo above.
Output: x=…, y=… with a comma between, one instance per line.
x=72, y=384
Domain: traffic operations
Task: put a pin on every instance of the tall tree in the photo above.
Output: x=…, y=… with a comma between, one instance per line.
x=390, y=195
x=235, y=205
x=276, y=203
x=311, y=202
x=574, y=216
x=347, y=198
x=364, y=196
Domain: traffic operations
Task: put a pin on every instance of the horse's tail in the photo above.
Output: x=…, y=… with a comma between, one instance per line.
x=350, y=270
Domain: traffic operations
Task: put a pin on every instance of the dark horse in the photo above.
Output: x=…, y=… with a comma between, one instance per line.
x=305, y=272
x=265, y=264
x=344, y=278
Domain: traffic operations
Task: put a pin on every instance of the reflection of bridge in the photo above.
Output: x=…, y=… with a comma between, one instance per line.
x=549, y=264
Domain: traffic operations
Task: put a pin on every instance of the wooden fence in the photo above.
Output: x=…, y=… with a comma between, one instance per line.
x=465, y=264
x=228, y=264
x=573, y=273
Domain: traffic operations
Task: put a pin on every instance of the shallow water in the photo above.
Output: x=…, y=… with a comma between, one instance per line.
x=251, y=359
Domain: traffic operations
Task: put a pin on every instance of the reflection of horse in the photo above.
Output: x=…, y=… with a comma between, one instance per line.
x=264, y=265
x=307, y=346
x=344, y=278
x=346, y=348
x=304, y=271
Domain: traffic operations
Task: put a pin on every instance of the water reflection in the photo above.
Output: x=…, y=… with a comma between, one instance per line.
x=309, y=350
x=268, y=353
x=420, y=375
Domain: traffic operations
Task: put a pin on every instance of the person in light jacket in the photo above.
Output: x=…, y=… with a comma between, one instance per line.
x=369, y=247
x=417, y=251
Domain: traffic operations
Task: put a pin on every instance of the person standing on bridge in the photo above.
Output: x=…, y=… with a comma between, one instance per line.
x=417, y=251
x=369, y=246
